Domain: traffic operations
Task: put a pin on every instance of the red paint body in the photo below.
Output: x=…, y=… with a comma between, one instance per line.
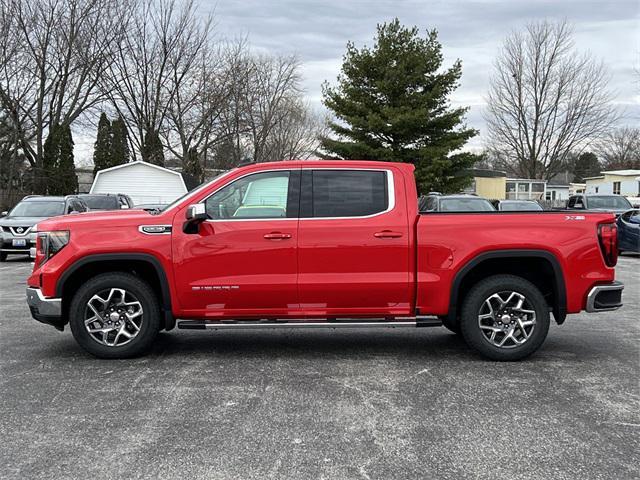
x=397, y=263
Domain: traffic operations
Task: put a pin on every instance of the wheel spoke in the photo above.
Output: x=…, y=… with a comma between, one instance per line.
x=490, y=328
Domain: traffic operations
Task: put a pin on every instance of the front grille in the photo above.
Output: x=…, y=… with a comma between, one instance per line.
x=19, y=231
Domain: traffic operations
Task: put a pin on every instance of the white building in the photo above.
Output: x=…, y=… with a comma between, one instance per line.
x=525, y=189
x=142, y=181
x=618, y=182
x=557, y=190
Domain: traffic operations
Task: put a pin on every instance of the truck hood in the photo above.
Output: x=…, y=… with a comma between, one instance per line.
x=617, y=211
x=112, y=218
x=20, y=221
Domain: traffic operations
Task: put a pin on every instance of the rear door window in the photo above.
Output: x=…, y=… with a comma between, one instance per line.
x=346, y=193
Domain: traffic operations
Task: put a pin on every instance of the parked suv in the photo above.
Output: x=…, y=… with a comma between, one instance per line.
x=454, y=203
x=17, y=232
x=599, y=203
x=106, y=201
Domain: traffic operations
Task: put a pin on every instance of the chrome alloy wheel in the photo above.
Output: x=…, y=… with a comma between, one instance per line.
x=113, y=317
x=507, y=319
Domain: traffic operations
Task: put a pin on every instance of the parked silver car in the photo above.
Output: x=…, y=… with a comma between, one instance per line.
x=18, y=226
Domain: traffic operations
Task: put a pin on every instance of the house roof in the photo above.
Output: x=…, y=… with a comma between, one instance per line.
x=598, y=177
x=628, y=172
x=139, y=162
x=485, y=173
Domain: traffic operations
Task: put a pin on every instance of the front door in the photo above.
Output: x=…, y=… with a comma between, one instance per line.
x=353, y=243
x=243, y=260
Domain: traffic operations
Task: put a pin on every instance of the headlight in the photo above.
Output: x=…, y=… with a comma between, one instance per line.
x=50, y=243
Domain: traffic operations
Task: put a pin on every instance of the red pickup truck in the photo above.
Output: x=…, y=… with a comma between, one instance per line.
x=320, y=244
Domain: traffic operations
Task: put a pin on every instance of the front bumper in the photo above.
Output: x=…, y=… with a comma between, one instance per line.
x=7, y=246
x=45, y=310
x=604, y=298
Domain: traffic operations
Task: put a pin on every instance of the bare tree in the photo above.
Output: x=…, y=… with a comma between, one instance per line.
x=164, y=48
x=546, y=100
x=263, y=108
x=52, y=53
x=296, y=134
x=620, y=149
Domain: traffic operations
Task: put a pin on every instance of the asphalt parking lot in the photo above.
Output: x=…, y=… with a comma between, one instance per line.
x=379, y=404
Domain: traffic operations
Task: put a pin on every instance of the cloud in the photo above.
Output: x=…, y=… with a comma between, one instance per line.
x=318, y=31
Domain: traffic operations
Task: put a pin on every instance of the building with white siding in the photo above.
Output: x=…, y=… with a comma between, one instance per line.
x=618, y=182
x=142, y=181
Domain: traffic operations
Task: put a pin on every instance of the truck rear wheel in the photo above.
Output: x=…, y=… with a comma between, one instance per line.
x=505, y=317
x=115, y=315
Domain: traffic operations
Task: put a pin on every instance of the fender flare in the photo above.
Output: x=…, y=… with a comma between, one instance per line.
x=169, y=320
x=560, y=291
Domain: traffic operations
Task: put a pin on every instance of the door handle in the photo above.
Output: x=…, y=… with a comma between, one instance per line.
x=276, y=236
x=387, y=234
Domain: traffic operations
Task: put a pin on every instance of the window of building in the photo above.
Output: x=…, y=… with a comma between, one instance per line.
x=616, y=188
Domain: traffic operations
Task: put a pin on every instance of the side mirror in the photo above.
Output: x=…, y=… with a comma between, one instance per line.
x=195, y=215
x=635, y=205
x=4, y=214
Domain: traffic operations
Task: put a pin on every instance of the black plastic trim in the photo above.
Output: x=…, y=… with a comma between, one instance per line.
x=169, y=320
x=559, y=309
x=55, y=321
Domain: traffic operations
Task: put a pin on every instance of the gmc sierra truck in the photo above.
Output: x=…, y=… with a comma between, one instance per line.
x=320, y=244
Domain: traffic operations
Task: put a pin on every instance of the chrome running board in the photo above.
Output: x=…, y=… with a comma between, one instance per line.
x=256, y=324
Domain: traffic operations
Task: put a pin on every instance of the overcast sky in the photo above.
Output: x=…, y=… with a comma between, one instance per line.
x=317, y=31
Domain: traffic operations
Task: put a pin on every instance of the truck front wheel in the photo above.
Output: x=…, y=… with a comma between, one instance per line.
x=505, y=317
x=115, y=315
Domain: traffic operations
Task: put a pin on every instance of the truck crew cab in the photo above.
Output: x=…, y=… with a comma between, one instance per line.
x=320, y=244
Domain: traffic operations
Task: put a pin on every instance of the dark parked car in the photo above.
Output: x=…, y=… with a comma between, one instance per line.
x=629, y=231
x=518, y=206
x=17, y=232
x=454, y=203
x=596, y=202
x=151, y=207
x=107, y=201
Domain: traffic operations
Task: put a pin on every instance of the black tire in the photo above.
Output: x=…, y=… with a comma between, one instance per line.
x=452, y=326
x=149, y=325
x=3, y=256
x=473, y=303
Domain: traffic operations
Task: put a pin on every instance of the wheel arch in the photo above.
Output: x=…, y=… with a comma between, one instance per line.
x=544, y=267
x=145, y=265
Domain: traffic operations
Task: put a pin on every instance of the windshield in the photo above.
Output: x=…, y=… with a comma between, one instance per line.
x=520, y=206
x=608, y=201
x=465, y=205
x=38, y=209
x=194, y=191
x=100, y=202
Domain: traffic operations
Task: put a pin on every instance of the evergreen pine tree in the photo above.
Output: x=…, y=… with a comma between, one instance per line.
x=58, y=161
x=51, y=153
x=192, y=166
x=152, y=151
x=66, y=164
x=120, y=152
x=585, y=165
x=102, y=151
x=391, y=104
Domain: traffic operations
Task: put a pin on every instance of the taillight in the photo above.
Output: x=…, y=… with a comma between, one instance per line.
x=608, y=236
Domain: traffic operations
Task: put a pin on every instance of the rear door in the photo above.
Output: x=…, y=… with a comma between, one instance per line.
x=353, y=243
